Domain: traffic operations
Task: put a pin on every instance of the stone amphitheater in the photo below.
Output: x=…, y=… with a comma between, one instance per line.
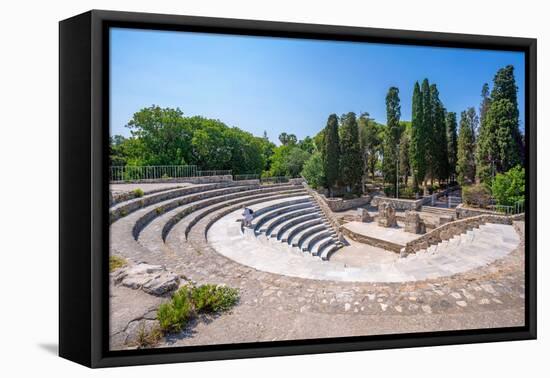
x=298, y=276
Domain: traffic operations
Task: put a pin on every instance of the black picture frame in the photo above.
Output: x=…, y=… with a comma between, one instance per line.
x=83, y=181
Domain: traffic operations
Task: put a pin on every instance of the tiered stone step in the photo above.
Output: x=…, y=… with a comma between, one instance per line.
x=154, y=211
x=300, y=226
x=439, y=211
x=468, y=250
x=203, y=218
x=154, y=234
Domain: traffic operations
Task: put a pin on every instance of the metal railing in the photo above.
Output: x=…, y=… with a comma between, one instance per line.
x=156, y=172
x=517, y=208
x=222, y=172
x=453, y=201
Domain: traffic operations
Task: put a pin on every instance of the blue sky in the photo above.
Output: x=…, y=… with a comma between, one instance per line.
x=290, y=85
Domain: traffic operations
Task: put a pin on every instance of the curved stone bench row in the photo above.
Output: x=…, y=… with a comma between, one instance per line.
x=173, y=211
x=125, y=208
x=302, y=226
x=125, y=231
x=179, y=235
x=154, y=232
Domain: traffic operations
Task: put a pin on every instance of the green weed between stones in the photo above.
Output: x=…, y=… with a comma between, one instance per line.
x=116, y=262
x=189, y=301
x=138, y=192
x=148, y=338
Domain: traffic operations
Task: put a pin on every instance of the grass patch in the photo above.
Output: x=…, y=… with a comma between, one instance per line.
x=138, y=192
x=189, y=301
x=213, y=298
x=116, y=262
x=148, y=339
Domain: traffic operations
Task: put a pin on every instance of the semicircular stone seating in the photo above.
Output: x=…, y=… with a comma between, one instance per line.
x=299, y=224
x=147, y=228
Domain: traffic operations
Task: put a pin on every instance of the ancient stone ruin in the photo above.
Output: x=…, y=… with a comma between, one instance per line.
x=386, y=215
x=413, y=223
x=364, y=215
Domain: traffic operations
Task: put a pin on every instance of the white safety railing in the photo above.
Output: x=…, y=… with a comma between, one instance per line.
x=157, y=172
x=517, y=208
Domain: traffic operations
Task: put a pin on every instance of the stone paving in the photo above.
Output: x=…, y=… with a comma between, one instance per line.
x=274, y=306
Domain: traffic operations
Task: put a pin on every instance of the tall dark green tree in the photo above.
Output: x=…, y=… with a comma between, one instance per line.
x=428, y=127
x=440, y=156
x=404, y=154
x=452, y=141
x=331, y=153
x=392, y=134
x=350, y=154
x=500, y=143
x=466, y=147
x=418, y=138
x=484, y=105
x=369, y=136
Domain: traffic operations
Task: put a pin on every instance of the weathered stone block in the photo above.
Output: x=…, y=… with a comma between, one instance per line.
x=386, y=215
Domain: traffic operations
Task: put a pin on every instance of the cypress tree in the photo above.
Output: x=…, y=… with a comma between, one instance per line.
x=465, y=165
x=484, y=106
x=418, y=138
x=439, y=154
x=428, y=129
x=452, y=143
x=331, y=152
x=392, y=134
x=500, y=145
x=350, y=154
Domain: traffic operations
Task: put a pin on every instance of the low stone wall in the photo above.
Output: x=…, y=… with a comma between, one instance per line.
x=190, y=180
x=468, y=212
x=400, y=203
x=451, y=229
x=296, y=181
x=340, y=204
x=327, y=212
x=360, y=238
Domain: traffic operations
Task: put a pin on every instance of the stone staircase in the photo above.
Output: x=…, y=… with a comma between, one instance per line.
x=469, y=250
x=300, y=224
x=439, y=211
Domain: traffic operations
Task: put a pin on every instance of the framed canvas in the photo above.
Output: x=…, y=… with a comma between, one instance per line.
x=235, y=188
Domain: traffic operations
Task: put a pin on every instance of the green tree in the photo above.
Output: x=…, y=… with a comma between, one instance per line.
x=370, y=143
x=509, y=188
x=287, y=139
x=428, y=128
x=392, y=135
x=404, y=153
x=439, y=137
x=331, y=158
x=288, y=161
x=418, y=138
x=466, y=147
x=500, y=145
x=307, y=144
x=350, y=154
x=313, y=171
x=452, y=140
x=484, y=105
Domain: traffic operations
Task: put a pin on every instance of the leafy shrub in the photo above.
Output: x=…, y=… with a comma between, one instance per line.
x=174, y=315
x=313, y=171
x=212, y=298
x=116, y=262
x=138, y=192
x=509, y=188
x=408, y=193
x=476, y=195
